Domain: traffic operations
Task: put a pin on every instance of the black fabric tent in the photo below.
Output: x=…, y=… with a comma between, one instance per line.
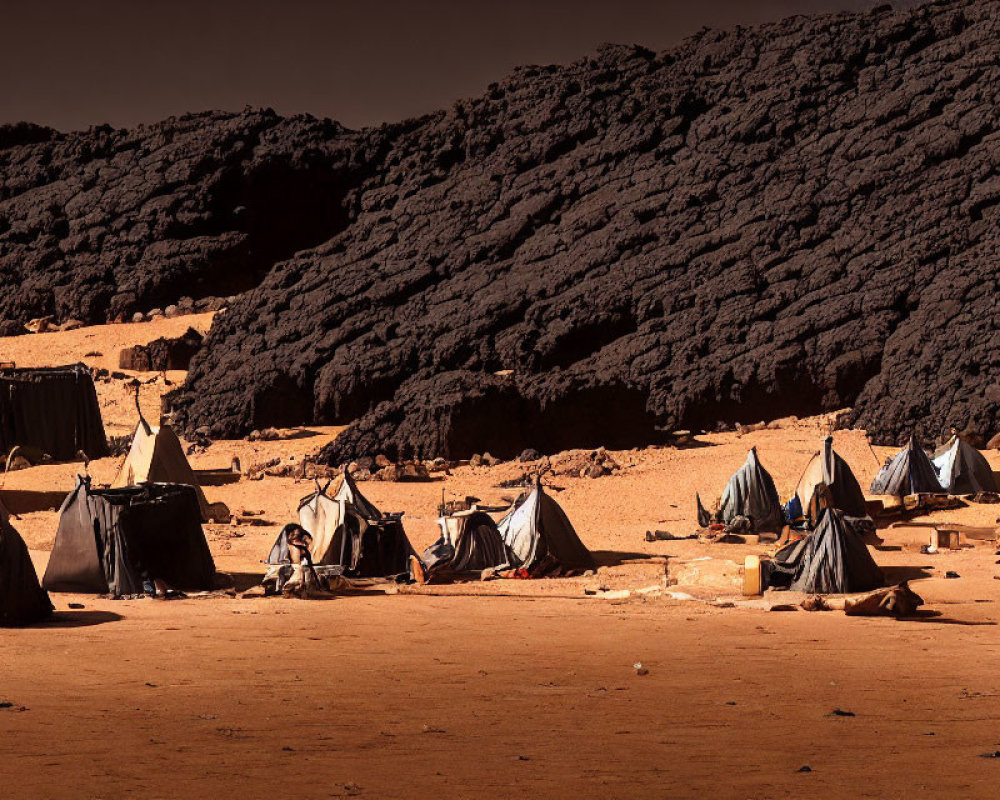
x=827, y=467
x=22, y=600
x=349, y=531
x=833, y=559
x=54, y=409
x=910, y=471
x=962, y=469
x=112, y=540
x=750, y=493
x=470, y=541
x=541, y=537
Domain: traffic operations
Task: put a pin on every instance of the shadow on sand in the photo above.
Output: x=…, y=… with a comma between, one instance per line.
x=615, y=558
x=79, y=619
x=929, y=615
x=26, y=501
x=894, y=575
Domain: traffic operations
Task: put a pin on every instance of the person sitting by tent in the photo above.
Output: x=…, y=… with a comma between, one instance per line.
x=292, y=569
x=22, y=600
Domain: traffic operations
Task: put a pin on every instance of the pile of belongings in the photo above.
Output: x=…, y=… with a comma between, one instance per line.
x=832, y=559
x=130, y=541
x=157, y=456
x=962, y=469
x=22, y=600
x=541, y=538
x=750, y=503
x=909, y=472
x=350, y=537
x=52, y=409
x=470, y=542
x=838, y=488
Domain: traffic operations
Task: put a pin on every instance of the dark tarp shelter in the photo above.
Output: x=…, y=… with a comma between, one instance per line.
x=750, y=493
x=828, y=468
x=962, y=469
x=541, y=537
x=470, y=541
x=833, y=559
x=348, y=530
x=22, y=600
x=54, y=409
x=910, y=471
x=112, y=540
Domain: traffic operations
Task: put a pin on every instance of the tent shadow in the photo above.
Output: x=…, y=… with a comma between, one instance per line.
x=242, y=581
x=79, y=619
x=27, y=501
x=894, y=575
x=615, y=558
x=929, y=615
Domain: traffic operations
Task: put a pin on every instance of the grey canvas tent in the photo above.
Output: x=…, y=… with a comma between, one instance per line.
x=349, y=531
x=833, y=559
x=470, y=541
x=910, y=471
x=750, y=493
x=827, y=467
x=53, y=409
x=114, y=540
x=22, y=600
x=541, y=537
x=962, y=469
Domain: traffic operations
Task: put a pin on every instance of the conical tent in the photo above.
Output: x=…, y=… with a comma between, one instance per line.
x=541, y=537
x=349, y=531
x=750, y=493
x=54, y=409
x=469, y=541
x=962, y=469
x=833, y=559
x=22, y=600
x=828, y=468
x=157, y=456
x=910, y=471
x=112, y=540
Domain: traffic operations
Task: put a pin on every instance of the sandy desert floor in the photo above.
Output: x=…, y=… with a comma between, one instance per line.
x=503, y=688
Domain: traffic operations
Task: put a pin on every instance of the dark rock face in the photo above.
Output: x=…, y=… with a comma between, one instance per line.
x=776, y=220
x=101, y=224
x=163, y=353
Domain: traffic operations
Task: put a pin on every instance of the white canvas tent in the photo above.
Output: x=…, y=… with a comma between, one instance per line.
x=157, y=456
x=962, y=469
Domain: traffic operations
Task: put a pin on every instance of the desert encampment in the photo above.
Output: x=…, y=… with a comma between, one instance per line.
x=451, y=311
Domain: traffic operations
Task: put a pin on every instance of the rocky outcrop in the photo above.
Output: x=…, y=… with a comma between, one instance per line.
x=101, y=224
x=775, y=220
x=162, y=354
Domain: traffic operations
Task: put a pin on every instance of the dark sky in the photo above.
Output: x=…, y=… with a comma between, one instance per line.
x=73, y=63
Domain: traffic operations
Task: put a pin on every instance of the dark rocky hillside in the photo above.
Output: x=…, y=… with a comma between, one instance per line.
x=782, y=219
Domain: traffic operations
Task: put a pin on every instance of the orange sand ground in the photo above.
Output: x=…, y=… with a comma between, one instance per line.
x=523, y=688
